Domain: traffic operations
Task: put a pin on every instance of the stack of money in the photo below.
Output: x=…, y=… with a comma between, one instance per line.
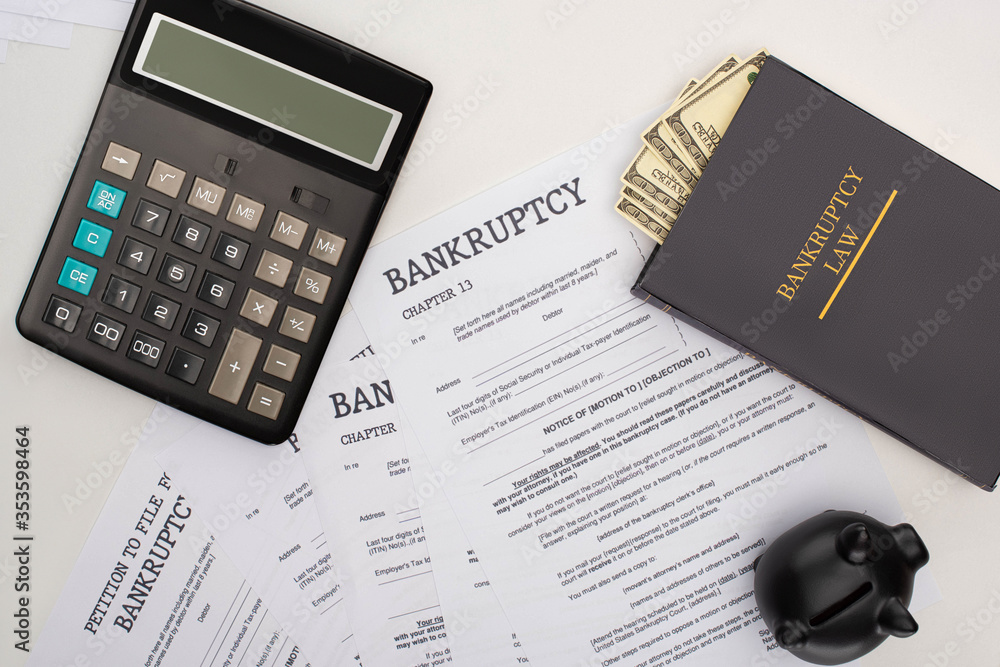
x=678, y=146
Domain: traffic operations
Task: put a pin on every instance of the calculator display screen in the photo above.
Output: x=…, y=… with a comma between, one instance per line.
x=268, y=91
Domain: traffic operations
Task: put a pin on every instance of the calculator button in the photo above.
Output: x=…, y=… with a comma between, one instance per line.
x=206, y=196
x=312, y=285
x=136, y=256
x=327, y=247
x=265, y=401
x=245, y=212
x=145, y=349
x=282, y=363
x=150, y=217
x=92, y=238
x=230, y=251
x=121, y=294
x=216, y=290
x=161, y=311
x=166, y=179
x=62, y=314
x=77, y=276
x=106, y=332
x=121, y=161
x=258, y=308
x=234, y=370
x=273, y=268
x=200, y=328
x=106, y=199
x=289, y=231
x=176, y=273
x=297, y=324
x=185, y=366
x=191, y=234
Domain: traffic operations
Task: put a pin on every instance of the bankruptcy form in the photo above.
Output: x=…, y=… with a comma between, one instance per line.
x=616, y=471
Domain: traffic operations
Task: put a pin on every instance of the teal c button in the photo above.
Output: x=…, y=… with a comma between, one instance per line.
x=106, y=199
x=77, y=276
x=92, y=238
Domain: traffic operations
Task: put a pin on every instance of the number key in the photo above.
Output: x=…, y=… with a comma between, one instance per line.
x=201, y=328
x=62, y=314
x=136, y=256
x=161, y=311
x=106, y=332
x=231, y=251
x=191, y=234
x=150, y=217
x=146, y=349
x=216, y=290
x=121, y=294
x=176, y=273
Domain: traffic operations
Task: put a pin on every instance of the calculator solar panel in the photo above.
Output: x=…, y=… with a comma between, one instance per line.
x=228, y=189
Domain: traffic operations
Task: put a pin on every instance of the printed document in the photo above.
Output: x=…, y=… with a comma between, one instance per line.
x=350, y=434
x=152, y=587
x=263, y=514
x=616, y=471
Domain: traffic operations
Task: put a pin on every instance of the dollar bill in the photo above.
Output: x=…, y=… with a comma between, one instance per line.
x=691, y=85
x=647, y=172
x=640, y=219
x=700, y=122
x=666, y=150
x=649, y=206
x=678, y=146
x=657, y=138
x=719, y=71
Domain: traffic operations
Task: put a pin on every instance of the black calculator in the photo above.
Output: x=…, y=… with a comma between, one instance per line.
x=229, y=186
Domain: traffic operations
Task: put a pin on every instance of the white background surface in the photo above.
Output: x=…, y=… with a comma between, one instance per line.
x=516, y=82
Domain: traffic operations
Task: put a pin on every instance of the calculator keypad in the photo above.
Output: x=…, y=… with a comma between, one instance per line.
x=201, y=281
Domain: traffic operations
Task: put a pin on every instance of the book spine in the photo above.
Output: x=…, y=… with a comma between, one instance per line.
x=640, y=293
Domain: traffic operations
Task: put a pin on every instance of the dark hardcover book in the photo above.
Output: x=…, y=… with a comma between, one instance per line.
x=838, y=250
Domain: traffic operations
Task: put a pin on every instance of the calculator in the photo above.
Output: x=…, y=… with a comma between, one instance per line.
x=230, y=184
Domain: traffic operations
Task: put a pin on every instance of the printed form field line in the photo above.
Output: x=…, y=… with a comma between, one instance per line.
x=409, y=576
x=507, y=474
x=568, y=331
x=415, y=611
x=579, y=398
x=589, y=359
x=228, y=611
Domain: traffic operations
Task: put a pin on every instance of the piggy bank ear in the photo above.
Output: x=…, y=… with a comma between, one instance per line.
x=854, y=543
x=791, y=635
x=894, y=619
x=911, y=545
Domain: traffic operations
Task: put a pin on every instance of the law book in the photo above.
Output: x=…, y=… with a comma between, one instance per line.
x=853, y=259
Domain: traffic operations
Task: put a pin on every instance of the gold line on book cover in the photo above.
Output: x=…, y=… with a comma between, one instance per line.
x=858, y=256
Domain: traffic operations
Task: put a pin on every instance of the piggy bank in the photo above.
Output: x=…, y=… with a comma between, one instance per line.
x=834, y=587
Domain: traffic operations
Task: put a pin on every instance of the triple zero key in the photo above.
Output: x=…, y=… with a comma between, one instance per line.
x=234, y=370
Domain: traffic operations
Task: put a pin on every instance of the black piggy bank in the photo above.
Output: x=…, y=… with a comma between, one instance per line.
x=834, y=587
